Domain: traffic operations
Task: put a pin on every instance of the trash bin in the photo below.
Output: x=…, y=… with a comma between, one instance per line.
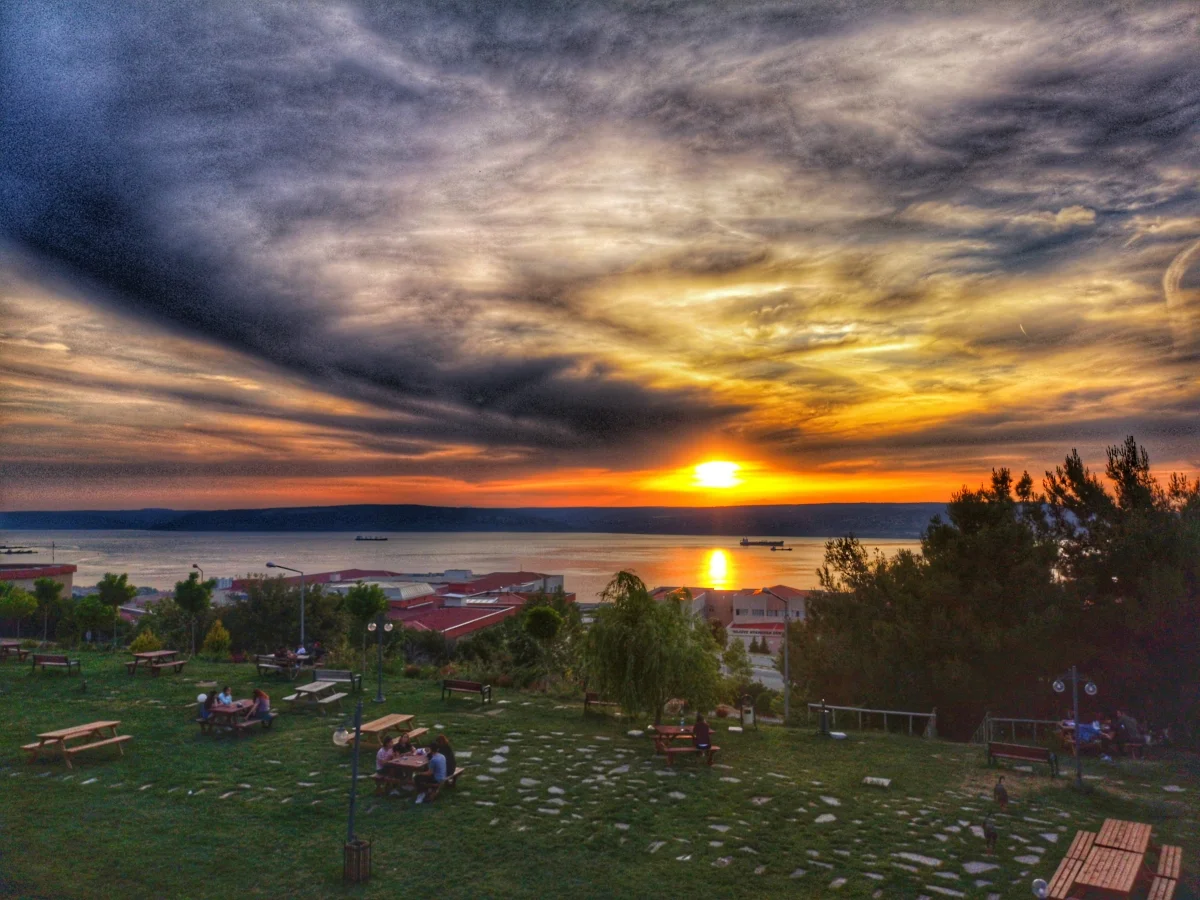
x=823, y=722
x=356, y=864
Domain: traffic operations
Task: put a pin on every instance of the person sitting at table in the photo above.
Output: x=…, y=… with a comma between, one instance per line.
x=283, y=654
x=225, y=697
x=385, y=755
x=701, y=733
x=442, y=745
x=261, y=707
x=401, y=744
x=1127, y=728
x=206, y=705
x=318, y=651
x=434, y=772
x=300, y=651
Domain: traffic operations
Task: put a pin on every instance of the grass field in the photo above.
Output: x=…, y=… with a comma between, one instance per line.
x=552, y=805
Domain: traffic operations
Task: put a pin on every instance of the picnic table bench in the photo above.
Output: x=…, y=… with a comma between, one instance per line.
x=279, y=665
x=154, y=661
x=341, y=676
x=316, y=695
x=1112, y=861
x=54, y=661
x=666, y=735
x=400, y=771
x=1024, y=753
x=451, y=685
x=93, y=732
x=12, y=648
x=392, y=722
x=433, y=790
x=591, y=698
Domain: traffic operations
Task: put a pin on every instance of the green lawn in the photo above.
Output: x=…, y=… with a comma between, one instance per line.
x=577, y=808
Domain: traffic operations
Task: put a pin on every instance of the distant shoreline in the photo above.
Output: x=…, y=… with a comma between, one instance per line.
x=869, y=520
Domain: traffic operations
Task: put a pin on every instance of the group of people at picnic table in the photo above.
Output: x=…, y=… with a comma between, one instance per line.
x=301, y=654
x=1111, y=735
x=438, y=762
x=259, y=706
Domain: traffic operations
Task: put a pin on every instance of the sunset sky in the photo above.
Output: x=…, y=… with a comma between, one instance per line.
x=258, y=254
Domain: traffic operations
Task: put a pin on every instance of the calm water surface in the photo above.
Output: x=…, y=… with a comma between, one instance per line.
x=159, y=559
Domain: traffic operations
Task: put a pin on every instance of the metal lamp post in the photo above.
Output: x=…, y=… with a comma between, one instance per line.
x=787, y=671
x=379, y=626
x=1090, y=689
x=196, y=566
x=356, y=855
x=272, y=565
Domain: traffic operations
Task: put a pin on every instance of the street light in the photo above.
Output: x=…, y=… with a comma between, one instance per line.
x=787, y=672
x=201, y=571
x=1091, y=690
x=272, y=565
x=378, y=627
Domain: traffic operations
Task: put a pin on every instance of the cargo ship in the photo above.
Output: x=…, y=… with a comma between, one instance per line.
x=746, y=542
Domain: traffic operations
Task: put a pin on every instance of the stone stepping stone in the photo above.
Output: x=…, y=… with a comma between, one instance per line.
x=837, y=883
x=874, y=876
x=950, y=876
x=716, y=843
x=826, y=817
x=621, y=826
x=761, y=801
x=722, y=862
x=758, y=870
x=918, y=858
x=720, y=828
x=497, y=770
x=831, y=801
x=1173, y=789
x=93, y=781
x=1049, y=836
x=1030, y=860
x=798, y=873
x=947, y=892
x=685, y=858
x=730, y=779
x=484, y=803
x=677, y=795
x=876, y=781
x=548, y=811
x=555, y=790
x=978, y=868
x=484, y=778
x=529, y=782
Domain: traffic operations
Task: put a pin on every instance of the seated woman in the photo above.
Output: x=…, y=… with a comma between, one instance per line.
x=385, y=754
x=701, y=733
x=442, y=745
x=401, y=744
x=225, y=697
x=206, y=705
x=261, y=707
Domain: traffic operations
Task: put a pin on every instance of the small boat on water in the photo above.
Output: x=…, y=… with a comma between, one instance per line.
x=746, y=542
x=784, y=549
x=361, y=538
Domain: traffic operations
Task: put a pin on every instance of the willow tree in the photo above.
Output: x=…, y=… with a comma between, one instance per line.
x=642, y=653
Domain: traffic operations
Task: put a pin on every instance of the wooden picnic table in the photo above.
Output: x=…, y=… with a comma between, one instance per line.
x=1107, y=869
x=381, y=726
x=664, y=735
x=61, y=739
x=316, y=694
x=1117, y=834
x=12, y=648
x=153, y=661
x=226, y=715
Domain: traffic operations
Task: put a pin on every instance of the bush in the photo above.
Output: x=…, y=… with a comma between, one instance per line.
x=145, y=642
x=216, y=642
x=504, y=681
x=411, y=671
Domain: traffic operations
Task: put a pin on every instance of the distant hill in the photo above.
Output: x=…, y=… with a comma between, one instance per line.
x=901, y=520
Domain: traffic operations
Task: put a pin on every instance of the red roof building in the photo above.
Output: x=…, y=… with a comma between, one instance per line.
x=239, y=584
x=452, y=621
x=23, y=575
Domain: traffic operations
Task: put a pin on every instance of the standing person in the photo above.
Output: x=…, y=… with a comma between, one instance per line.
x=225, y=698
x=434, y=773
x=385, y=754
x=442, y=743
x=701, y=733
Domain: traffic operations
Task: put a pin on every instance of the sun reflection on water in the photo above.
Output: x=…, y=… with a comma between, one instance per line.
x=717, y=571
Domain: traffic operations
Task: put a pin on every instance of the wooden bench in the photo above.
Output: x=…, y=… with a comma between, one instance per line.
x=6, y=652
x=118, y=740
x=449, y=686
x=432, y=792
x=672, y=752
x=1170, y=861
x=1162, y=889
x=1082, y=845
x=591, y=698
x=1064, y=878
x=54, y=662
x=177, y=665
x=343, y=676
x=1024, y=753
x=416, y=734
x=207, y=725
x=332, y=698
x=273, y=664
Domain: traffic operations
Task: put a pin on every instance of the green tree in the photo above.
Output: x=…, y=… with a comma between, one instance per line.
x=16, y=603
x=543, y=624
x=145, y=642
x=217, y=641
x=91, y=614
x=737, y=661
x=720, y=635
x=114, y=591
x=365, y=603
x=48, y=594
x=267, y=616
x=643, y=652
x=194, y=597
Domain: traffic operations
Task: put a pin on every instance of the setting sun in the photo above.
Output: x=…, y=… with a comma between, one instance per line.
x=717, y=475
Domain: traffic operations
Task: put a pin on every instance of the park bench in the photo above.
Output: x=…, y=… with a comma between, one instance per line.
x=238, y=727
x=1170, y=861
x=1064, y=878
x=683, y=750
x=118, y=740
x=343, y=676
x=1162, y=889
x=415, y=735
x=591, y=698
x=1082, y=845
x=1024, y=753
x=156, y=668
x=449, y=686
x=6, y=651
x=54, y=662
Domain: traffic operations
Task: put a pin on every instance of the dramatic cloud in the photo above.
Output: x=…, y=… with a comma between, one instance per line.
x=427, y=250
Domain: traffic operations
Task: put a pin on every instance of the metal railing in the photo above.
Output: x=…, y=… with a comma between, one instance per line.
x=930, y=729
x=993, y=728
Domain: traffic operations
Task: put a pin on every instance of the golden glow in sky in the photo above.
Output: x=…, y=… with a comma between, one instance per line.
x=717, y=474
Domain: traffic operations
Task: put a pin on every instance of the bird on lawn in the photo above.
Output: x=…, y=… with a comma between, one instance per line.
x=989, y=834
x=1000, y=792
